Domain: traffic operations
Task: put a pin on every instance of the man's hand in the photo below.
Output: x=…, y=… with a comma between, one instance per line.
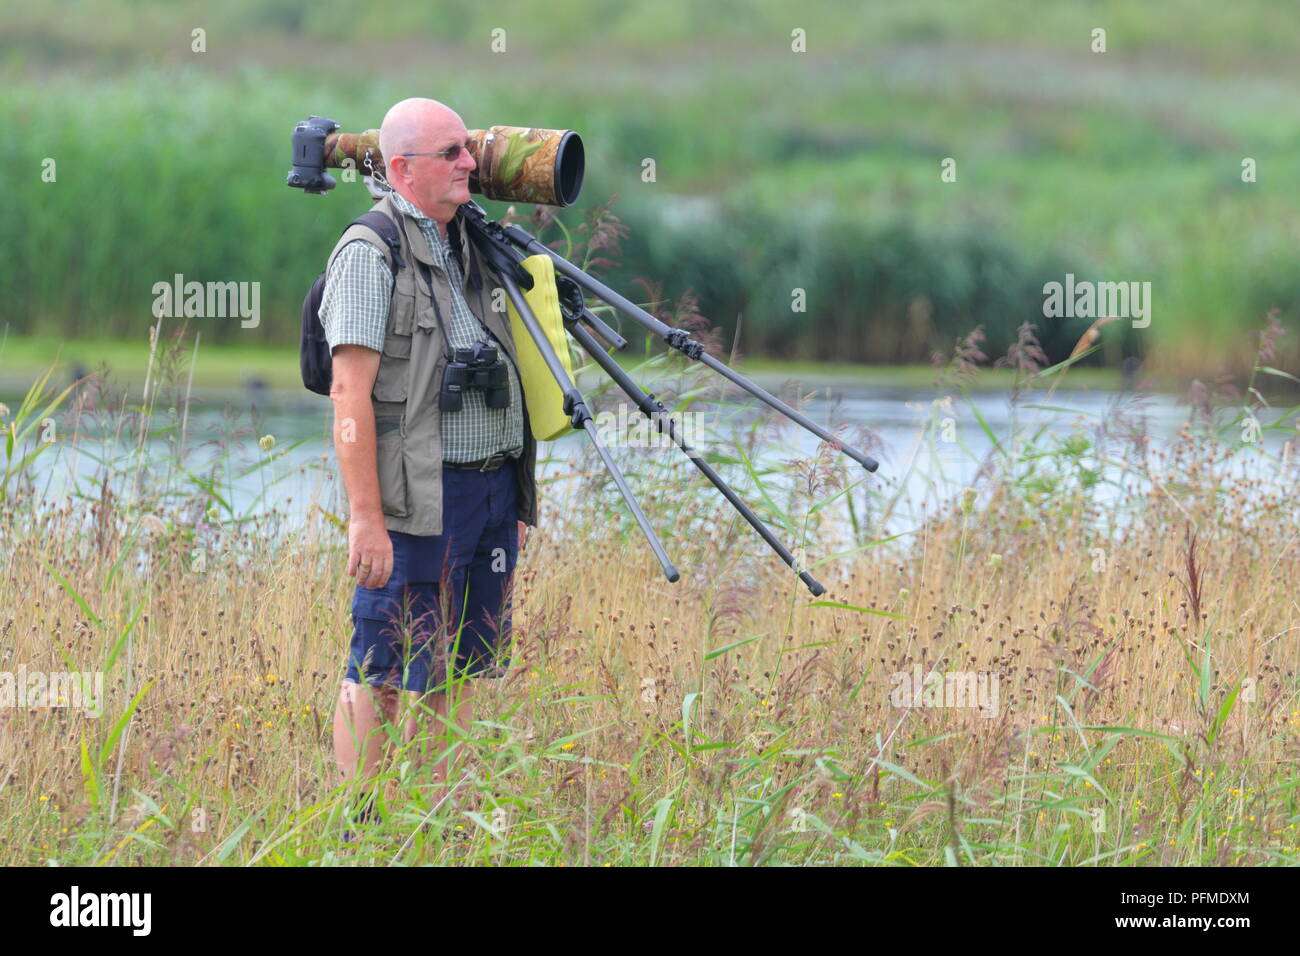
x=370, y=552
x=523, y=533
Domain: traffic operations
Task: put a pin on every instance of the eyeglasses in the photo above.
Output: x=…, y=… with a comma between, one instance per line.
x=452, y=153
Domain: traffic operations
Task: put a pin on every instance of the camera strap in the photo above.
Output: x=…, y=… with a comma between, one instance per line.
x=486, y=335
x=437, y=312
x=454, y=241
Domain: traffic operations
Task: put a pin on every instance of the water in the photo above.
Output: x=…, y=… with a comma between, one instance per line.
x=929, y=445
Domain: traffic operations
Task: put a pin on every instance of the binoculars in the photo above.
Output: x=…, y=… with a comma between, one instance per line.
x=475, y=367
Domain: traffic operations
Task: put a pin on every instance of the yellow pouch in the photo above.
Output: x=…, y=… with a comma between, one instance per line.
x=542, y=394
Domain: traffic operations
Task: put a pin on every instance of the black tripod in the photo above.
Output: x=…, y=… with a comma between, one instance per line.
x=504, y=248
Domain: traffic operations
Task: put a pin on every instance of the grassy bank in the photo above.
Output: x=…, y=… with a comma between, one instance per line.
x=23, y=360
x=1127, y=603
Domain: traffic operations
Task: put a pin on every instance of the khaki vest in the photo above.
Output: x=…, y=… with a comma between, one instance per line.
x=408, y=422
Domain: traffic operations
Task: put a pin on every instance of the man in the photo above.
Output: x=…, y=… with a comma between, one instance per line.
x=438, y=500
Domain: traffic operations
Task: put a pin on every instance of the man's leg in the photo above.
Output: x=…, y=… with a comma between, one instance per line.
x=432, y=734
x=378, y=662
x=453, y=712
x=479, y=619
x=357, y=727
x=467, y=566
x=423, y=729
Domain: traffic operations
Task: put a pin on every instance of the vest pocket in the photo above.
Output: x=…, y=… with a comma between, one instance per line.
x=395, y=362
x=427, y=320
x=392, y=468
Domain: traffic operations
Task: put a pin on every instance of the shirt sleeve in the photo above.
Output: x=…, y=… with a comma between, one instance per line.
x=354, y=303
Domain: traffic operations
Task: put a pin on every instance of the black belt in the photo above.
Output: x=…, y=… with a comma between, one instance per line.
x=490, y=463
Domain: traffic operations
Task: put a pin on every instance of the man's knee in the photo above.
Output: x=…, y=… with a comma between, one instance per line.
x=376, y=698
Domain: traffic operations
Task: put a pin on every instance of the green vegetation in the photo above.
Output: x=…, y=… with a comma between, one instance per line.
x=231, y=366
x=1134, y=598
x=774, y=170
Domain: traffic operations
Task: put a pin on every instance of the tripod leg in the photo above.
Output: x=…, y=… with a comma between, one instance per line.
x=612, y=338
x=576, y=407
x=682, y=342
x=657, y=413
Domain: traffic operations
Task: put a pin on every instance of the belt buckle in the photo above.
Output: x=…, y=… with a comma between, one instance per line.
x=496, y=459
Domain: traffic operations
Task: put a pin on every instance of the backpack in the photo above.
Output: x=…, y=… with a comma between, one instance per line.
x=314, y=357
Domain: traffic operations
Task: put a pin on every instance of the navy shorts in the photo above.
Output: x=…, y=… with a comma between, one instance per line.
x=401, y=636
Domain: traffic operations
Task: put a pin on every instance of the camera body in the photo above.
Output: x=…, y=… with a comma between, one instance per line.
x=474, y=367
x=308, y=172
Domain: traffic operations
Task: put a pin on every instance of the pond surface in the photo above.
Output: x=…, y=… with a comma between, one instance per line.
x=930, y=444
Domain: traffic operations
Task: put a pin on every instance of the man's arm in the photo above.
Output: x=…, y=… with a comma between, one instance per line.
x=370, y=550
x=354, y=311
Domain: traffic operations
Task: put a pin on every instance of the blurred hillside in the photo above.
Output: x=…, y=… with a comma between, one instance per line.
x=775, y=170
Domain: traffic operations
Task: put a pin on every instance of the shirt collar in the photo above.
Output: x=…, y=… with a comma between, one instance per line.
x=428, y=227
x=405, y=205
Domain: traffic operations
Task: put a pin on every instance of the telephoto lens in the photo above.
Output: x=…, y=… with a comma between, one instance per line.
x=511, y=163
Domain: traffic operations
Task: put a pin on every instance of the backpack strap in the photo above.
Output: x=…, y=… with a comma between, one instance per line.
x=379, y=229
x=387, y=230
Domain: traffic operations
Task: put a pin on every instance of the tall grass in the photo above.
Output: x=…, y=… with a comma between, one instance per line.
x=1132, y=591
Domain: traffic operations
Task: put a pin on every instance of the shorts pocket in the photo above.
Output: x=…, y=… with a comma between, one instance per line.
x=390, y=448
x=377, y=604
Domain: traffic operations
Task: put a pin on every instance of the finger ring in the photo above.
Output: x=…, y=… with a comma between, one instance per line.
x=365, y=566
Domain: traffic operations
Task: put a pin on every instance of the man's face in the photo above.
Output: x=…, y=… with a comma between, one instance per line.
x=436, y=184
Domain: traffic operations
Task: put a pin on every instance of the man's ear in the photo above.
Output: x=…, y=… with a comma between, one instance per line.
x=396, y=169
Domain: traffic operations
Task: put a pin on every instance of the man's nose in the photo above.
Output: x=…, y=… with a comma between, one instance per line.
x=469, y=160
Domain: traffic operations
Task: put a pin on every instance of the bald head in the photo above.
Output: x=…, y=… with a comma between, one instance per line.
x=412, y=135
x=410, y=124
